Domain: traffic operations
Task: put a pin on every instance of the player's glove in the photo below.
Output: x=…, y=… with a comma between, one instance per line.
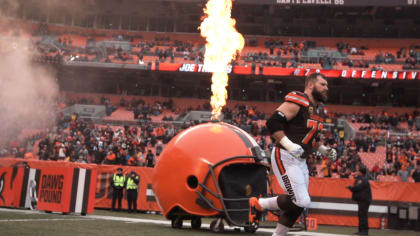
x=331, y=153
x=295, y=149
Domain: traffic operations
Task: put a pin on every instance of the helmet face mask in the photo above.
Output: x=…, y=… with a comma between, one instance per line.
x=209, y=170
x=236, y=184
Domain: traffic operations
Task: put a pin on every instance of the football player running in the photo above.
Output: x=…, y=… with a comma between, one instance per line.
x=294, y=127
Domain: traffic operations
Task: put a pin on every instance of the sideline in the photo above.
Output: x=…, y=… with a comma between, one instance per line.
x=147, y=221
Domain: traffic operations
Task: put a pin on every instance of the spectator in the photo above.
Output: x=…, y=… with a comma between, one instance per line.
x=326, y=167
x=150, y=159
x=110, y=158
x=376, y=170
x=118, y=185
x=132, y=184
x=403, y=173
x=61, y=152
x=361, y=193
x=159, y=148
x=416, y=173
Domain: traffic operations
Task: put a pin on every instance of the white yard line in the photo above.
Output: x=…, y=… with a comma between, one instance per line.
x=150, y=221
x=166, y=222
x=29, y=220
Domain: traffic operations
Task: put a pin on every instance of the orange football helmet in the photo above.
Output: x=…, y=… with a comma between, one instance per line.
x=208, y=170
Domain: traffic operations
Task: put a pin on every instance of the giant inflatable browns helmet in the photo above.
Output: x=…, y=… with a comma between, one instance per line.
x=187, y=177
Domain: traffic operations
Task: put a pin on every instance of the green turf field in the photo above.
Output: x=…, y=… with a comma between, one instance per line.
x=121, y=223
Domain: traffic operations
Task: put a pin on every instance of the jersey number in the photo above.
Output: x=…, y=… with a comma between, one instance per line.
x=314, y=126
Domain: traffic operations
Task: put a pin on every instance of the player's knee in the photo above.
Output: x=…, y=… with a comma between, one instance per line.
x=293, y=213
x=304, y=201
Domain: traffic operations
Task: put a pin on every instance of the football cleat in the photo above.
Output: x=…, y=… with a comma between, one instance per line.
x=255, y=211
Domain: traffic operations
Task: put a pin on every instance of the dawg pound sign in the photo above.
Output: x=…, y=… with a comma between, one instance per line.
x=51, y=188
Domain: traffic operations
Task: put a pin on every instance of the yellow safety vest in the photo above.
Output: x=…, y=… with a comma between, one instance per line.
x=119, y=181
x=131, y=184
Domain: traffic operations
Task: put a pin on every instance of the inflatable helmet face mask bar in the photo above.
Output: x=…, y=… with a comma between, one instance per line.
x=205, y=202
x=210, y=170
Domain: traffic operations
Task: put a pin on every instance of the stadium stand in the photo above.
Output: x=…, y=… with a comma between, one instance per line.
x=62, y=44
x=122, y=47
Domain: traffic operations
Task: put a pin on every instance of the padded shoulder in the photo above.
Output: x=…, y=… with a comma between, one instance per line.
x=298, y=98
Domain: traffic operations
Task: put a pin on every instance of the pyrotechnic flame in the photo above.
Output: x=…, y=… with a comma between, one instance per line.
x=223, y=44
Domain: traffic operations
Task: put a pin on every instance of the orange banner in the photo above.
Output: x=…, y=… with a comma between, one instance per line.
x=331, y=199
x=54, y=189
x=47, y=185
x=10, y=186
x=145, y=201
x=328, y=193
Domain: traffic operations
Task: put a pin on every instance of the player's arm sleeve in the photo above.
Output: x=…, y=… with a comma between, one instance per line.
x=279, y=118
x=276, y=122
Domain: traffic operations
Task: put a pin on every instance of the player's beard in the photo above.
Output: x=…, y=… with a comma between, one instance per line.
x=319, y=96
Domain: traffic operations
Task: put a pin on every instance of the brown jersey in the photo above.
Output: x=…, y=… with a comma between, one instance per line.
x=304, y=127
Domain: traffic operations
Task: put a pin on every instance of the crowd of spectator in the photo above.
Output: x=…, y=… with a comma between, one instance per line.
x=348, y=159
x=357, y=63
x=347, y=49
x=402, y=152
x=387, y=58
x=86, y=142
x=76, y=140
x=20, y=148
x=411, y=56
x=382, y=120
x=402, y=156
x=279, y=53
x=141, y=145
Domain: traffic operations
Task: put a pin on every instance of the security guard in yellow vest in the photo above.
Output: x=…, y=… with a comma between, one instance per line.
x=132, y=190
x=118, y=184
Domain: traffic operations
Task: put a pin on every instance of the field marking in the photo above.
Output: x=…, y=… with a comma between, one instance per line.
x=30, y=220
x=346, y=207
x=167, y=222
x=162, y=222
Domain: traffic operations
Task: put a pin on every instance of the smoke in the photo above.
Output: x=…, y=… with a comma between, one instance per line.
x=28, y=91
x=9, y=6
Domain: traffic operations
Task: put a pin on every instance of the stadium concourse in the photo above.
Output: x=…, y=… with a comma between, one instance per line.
x=89, y=86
